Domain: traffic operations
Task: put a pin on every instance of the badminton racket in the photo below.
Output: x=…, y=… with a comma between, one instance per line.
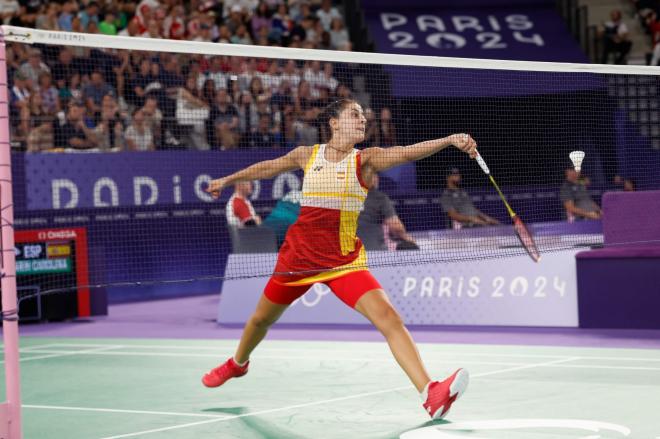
x=519, y=226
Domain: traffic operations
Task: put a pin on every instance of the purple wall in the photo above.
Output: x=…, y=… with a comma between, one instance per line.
x=631, y=218
x=509, y=30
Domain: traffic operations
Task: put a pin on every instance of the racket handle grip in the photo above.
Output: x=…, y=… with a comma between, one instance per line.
x=482, y=164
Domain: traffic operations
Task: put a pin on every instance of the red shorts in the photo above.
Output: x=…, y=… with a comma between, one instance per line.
x=349, y=288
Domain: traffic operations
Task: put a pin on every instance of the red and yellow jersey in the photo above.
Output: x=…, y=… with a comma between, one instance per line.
x=322, y=244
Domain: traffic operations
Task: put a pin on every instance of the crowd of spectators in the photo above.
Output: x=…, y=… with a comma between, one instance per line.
x=76, y=98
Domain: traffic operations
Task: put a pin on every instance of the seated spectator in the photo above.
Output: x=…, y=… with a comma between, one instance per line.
x=50, y=95
x=41, y=137
x=315, y=77
x=8, y=9
x=138, y=84
x=284, y=214
x=387, y=130
x=32, y=110
x=110, y=128
x=576, y=199
x=371, y=133
x=132, y=29
x=72, y=91
x=305, y=127
x=153, y=118
x=379, y=224
x=224, y=120
x=458, y=206
x=75, y=133
x=290, y=136
x=193, y=112
x=208, y=92
x=271, y=79
x=34, y=67
x=174, y=25
x=20, y=92
x=215, y=74
x=65, y=68
x=47, y=19
x=265, y=135
x=327, y=13
x=65, y=19
x=339, y=38
x=224, y=34
x=290, y=74
x=299, y=31
x=653, y=26
x=614, y=34
x=233, y=15
x=89, y=15
x=239, y=210
x=94, y=92
x=629, y=185
x=241, y=36
x=107, y=26
x=138, y=135
x=248, y=116
x=256, y=88
x=281, y=24
x=204, y=33
x=299, y=10
x=261, y=19
x=303, y=98
x=313, y=30
x=282, y=99
x=329, y=81
x=241, y=7
x=24, y=17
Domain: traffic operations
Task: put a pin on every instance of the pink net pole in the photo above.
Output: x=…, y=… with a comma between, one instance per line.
x=8, y=265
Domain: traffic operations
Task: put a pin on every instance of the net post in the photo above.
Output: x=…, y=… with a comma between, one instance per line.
x=10, y=411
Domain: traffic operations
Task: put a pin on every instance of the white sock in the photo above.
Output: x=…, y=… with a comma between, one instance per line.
x=240, y=364
x=425, y=393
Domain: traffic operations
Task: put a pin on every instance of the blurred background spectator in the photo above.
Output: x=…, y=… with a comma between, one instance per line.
x=615, y=39
x=576, y=199
x=458, y=206
x=379, y=226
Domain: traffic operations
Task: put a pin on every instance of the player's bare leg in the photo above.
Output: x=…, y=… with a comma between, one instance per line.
x=437, y=396
x=257, y=326
x=376, y=307
x=255, y=330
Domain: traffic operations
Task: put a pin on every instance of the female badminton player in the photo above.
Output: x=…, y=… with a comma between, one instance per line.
x=322, y=245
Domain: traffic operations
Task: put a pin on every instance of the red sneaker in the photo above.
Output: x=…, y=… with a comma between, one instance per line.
x=229, y=369
x=442, y=394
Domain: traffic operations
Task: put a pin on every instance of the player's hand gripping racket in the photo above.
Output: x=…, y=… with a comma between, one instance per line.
x=520, y=228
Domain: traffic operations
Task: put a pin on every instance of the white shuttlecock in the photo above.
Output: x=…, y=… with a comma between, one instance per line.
x=577, y=157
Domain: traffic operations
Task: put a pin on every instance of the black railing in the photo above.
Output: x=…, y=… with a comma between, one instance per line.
x=577, y=20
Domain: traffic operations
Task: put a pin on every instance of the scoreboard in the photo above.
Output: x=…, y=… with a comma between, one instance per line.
x=52, y=269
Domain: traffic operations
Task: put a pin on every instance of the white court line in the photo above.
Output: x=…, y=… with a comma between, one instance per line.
x=306, y=350
x=256, y=357
x=64, y=354
x=344, y=398
x=385, y=351
x=105, y=410
x=312, y=358
x=40, y=346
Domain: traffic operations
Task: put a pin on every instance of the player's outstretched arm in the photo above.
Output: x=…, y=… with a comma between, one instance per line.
x=262, y=170
x=385, y=158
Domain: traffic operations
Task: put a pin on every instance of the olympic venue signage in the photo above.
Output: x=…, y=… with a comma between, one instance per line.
x=521, y=32
x=512, y=291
